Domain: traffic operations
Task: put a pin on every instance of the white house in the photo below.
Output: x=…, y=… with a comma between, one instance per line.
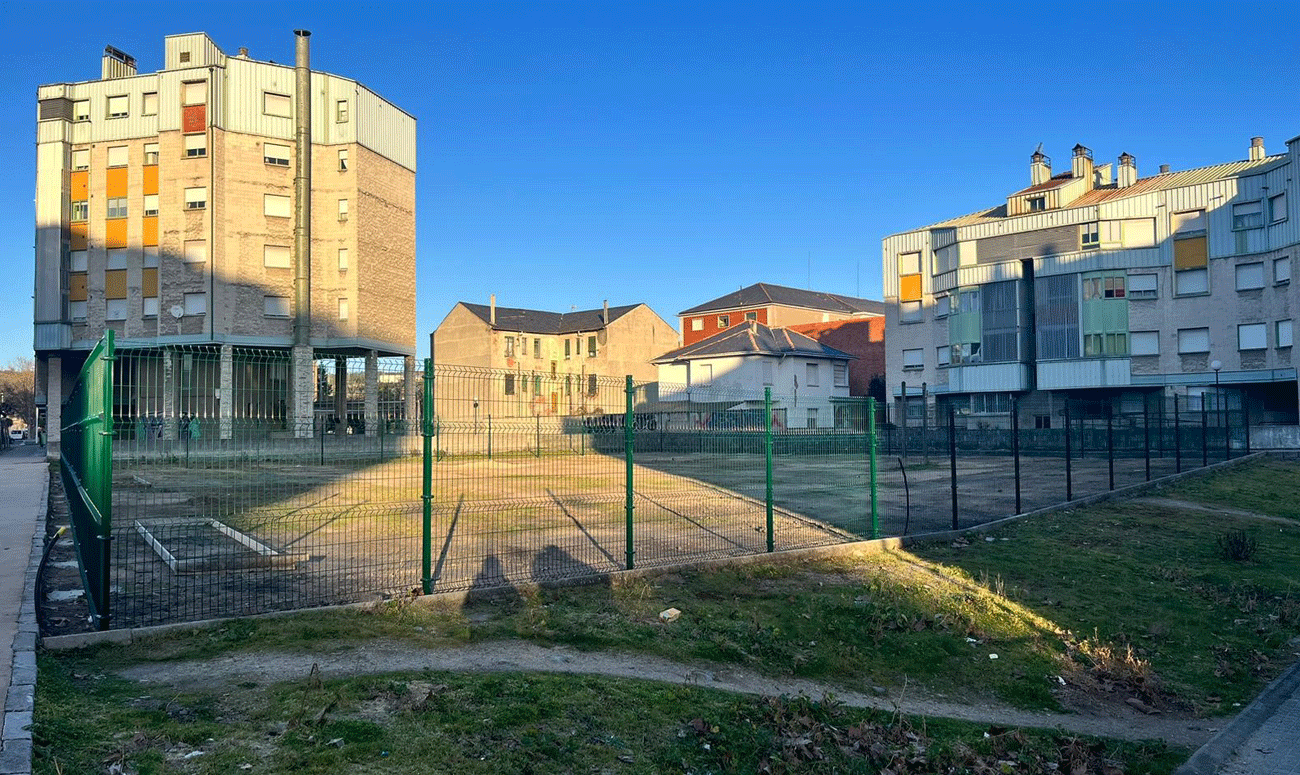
x=731, y=369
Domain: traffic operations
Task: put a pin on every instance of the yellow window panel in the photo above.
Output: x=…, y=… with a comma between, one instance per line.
x=79, y=182
x=909, y=287
x=77, y=286
x=78, y=237
x=1190, y=253
x=150, y=236
x=115, y=233
x=115, y=182
x=115, y=284
x=149, y=282
x=151, y=179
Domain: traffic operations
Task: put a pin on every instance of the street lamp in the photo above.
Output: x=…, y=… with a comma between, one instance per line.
x=1216, y=365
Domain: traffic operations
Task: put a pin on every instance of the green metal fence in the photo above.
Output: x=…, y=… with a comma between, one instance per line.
x=87, y=469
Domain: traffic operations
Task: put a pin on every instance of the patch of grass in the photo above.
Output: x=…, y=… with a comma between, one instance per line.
x=436, y=722
x=1253, y=487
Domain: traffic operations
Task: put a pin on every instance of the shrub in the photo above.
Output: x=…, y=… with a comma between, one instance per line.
x=1238, y=546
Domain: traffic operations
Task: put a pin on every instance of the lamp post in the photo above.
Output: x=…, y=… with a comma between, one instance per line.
x=1218, y=398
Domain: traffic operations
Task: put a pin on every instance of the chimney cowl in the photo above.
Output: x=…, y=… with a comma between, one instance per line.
x=1164, y=169
x=1127, y=173
x=1040, y=167
x=1256, y=148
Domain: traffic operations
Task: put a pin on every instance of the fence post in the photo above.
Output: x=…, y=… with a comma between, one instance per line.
x=1146, y=435
x=1227, y=431
x=426, y=523
x=1245, y=418
x=1015, y=444
x=1205, y=434
x=627, y=446
x=902, y=421
x=872, y=440
x=106, y=484
x=925, y=421
x=322, y=445
x=767, y=453
x=1069, y=484
x=1110, y=444
x=952, y=459
x=538, y=418
x=489, y=437
x=1178, y=439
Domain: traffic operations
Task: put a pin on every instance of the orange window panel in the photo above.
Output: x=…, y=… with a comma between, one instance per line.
x=149, y=282
x=77, y=286
x=150, y=236
x=115, y=182
x=78, y=235
x=115, y=284
x=1190, y=253
x=78, y=182
x=115, y=233
x=909, y=287
x=151, y=179
x=193, y=118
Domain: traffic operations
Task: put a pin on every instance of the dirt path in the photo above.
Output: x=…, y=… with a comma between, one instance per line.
x=1174, y=503
x=517, y=656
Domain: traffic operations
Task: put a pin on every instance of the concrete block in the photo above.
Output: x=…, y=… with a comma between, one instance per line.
x=25, y=641
x=18, y=726
x=20, y=697
x=27, y=675
x=16, y=758
x=24, y=659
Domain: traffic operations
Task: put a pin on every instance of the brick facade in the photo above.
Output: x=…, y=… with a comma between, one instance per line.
x=862, y=337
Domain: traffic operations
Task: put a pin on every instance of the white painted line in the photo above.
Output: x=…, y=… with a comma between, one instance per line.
x=166, y=556
x=244, y=539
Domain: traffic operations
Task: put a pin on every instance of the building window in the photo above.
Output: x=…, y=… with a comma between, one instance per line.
x=1105, y=345
x=276, y=206
x=537, y=347
x=117, y=106
x=150, y=154
x=1106, y=287
x=913, y=359
x=701, y=373
x=1089, y=236
x=150, y=104
x=1248, y=215
x=196, y=198
x=841, y=374
x=1277, y=208
x=275, y=306
x=151, y=256
x=116, y=207
x=80, y=160
x=343, y=209
x=1193, y=340
x=1250, y=276
x=1143, y=286
x=943, y=355
x=115, y=258
x=150, y=306
x=343, y=259
x=81, y=112
x=724, y=321
x=343, y=309
x=77, y=261
x=1284, y=333
x=812, y=417
x=196, y=145
x=537, y=384
x=942, y=306
x=568, y=384
x=568, y=346
x=1145, y=342
x=591, y=384
x=1252, y=336
x=194, y=93
x=751, y=316
x=80, y=210
x=341, y=111
x=196, y=304
x=1036, y=203
x=277, y=256
x=768, y=372
x=277, y=104
x=1188, y=222
x=273, y=153
x=697, y=324
x=965, y=352
x=115, y=309
x=510, y=384
x=910, y=312
x=591, y=347
x=1192, y=281
x=77, y=310
x=118, y=156
x=510, y=347
x=1282, y=270
x=810, y=371
x=343, y=160
x=196, y=251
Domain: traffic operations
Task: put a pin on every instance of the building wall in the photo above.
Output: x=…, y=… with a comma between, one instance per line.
x=742, y=379
x=769, y=315
x=862, y=337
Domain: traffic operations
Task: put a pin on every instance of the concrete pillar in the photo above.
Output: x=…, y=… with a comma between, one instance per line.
x=372, y=393
x=340, y=395
x=411, y=390
x=302, y=386
x=170, y=394
x=53, y=407
x=226, y=392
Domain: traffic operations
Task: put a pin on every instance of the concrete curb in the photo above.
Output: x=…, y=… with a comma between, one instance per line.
x=1211, y=757
x=16, y=732
x=84, y=639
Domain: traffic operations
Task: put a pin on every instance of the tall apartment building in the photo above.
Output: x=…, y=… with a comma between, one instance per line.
x=222, y=203
x=1097, y=283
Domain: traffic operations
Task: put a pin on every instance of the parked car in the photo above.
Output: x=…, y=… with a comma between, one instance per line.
x=17, y=435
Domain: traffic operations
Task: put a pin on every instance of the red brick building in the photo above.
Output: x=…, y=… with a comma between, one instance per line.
x=861, y=337
x=773, y=305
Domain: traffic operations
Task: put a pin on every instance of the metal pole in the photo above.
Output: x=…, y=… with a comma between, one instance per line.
x=627, y=446
x=426, y=524
x=952, y=460
x=1146, y=434
x=322, y=444
x=902, y=420
x=1205, y=434
x=767, y=453
x=1069, y=484
x=106, y=485
x=489, y=437
x=873, y=444
x=1110, y=444
x=1178, y=439
x=1015, y=444
x=1245, y=419
x=1227, y=431
x=538, y=418
x=925, y=421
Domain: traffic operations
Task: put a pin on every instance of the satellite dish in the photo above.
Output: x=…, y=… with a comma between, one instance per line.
x=178, y=311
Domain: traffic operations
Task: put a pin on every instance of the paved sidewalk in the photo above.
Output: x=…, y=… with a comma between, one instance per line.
x=23, y=490
x=1264, y=739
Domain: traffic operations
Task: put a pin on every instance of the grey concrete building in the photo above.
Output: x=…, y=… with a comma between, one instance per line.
x=1097, y=283
x=219, y=206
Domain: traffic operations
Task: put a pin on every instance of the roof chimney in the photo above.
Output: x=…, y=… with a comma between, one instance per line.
x=1128, y=171
x=1164, y=169
x=243, y=52
x=604, y=317
x=492, y=309
x=1256, y=148
x=1040, y=167
x=1081, y=164
x=1102, y=175
x=116, y=64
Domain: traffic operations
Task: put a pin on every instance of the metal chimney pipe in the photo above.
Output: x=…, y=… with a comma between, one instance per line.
x=302, y=191
x=492, y=306
x=604, y=318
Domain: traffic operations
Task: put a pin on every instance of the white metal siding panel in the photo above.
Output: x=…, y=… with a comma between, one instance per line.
x=908, y=242
x=54, y=132
x=246, y=82
x=384, y=129
x=327, y=90
x=988, y=273
x=1062, y=375
x=988, y=378
x=100, y=128
x=169, y=95
x=51, y=212
x=202, y=51
x=1093, y=261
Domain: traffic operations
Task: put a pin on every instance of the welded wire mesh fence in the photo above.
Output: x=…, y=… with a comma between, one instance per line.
x=249, y=480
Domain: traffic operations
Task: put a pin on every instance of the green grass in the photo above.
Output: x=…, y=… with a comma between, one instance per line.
x=515, y=723
x=1257, y=487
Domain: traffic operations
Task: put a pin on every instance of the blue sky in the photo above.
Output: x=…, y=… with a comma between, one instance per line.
x=667, y=153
